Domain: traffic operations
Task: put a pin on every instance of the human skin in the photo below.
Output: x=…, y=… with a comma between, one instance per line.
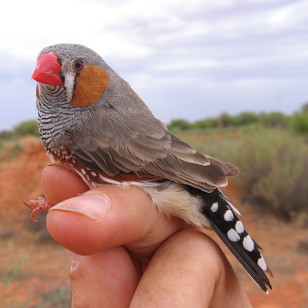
x=124, y=253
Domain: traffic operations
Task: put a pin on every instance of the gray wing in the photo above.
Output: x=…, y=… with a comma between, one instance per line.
x=148, y=149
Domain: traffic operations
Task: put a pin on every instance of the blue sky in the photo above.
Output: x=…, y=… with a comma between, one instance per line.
x=186, y=59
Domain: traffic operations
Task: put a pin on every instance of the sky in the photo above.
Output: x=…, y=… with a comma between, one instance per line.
x=186, y=59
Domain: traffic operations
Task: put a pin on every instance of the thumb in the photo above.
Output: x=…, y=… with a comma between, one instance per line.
x=107, y=217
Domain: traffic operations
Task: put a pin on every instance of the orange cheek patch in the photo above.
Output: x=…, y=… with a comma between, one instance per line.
x=91, y=83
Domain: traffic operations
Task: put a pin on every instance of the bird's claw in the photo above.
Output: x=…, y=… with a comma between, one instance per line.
x=37, y=206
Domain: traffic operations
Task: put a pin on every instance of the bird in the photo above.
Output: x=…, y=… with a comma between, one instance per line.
x=91, y=121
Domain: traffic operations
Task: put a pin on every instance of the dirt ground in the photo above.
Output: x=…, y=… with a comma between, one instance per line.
x=34, y=270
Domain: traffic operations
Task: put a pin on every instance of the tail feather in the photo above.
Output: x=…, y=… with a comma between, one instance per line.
x=230, y=229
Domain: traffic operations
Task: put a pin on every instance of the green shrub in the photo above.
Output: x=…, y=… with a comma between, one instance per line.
x=245, y=118
x=27, y=128
x=274, y=119
x=299, y=123
x=205, y=124
x=180, y=124
x=225, y=120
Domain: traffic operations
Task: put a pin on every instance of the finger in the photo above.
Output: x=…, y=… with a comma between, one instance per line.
x=107, y=217
x=184, y=272
x=105, y=279
x=59, y=183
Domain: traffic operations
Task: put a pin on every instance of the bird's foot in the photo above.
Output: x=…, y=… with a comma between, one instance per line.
x=38, y=205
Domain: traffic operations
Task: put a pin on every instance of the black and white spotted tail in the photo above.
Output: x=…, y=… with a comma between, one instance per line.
x=221, y=215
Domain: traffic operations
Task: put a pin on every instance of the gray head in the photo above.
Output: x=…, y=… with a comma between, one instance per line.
x=75, y=86
x=71, y=52
x=60, y=66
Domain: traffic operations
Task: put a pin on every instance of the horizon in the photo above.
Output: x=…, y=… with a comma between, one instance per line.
x=193, y=121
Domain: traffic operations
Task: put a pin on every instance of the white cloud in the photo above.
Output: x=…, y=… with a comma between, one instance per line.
x=290, y=16
x=34, y=25
x=174, y=52
x=130, y=29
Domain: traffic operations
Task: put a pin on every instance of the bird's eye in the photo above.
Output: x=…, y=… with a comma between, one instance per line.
x=79, y=65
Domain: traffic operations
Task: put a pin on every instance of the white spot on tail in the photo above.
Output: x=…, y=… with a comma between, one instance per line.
x=228, y=216
x=93, y=173
x=214, y=207
x=262, y=263
x=239, y=227
x=248, y=243
x=83, y=171
x=233, y=235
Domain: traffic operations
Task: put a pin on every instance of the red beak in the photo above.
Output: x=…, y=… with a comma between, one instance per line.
x=48, y=70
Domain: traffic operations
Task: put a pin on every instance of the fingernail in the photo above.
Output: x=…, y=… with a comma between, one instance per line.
x=91, y=206
x=74, y=258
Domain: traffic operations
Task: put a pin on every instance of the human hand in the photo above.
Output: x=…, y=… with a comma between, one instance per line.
x=125, y=254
